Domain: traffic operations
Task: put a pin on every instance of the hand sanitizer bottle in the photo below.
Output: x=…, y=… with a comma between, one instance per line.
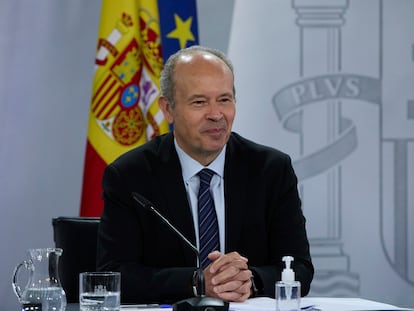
x=288, y=290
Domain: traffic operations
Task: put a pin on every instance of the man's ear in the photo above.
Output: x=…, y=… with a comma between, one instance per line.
x=166, y=109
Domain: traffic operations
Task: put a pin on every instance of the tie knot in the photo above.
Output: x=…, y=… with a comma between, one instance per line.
x=205, y=175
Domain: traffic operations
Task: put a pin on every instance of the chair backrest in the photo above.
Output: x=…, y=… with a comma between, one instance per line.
x=77, y=237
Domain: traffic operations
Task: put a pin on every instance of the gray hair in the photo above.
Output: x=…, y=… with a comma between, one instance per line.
x=166, y=79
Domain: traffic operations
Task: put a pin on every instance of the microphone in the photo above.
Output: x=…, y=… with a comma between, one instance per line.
x=201, y=302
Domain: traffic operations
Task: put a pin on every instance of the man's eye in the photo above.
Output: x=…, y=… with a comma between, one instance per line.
x=225, y=100
x=198, y=102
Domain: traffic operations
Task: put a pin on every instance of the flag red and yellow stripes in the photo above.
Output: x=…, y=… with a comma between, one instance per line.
x=124, y=112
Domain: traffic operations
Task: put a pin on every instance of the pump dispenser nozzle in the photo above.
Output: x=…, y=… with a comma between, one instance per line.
x=287, y=274
x=287, y=290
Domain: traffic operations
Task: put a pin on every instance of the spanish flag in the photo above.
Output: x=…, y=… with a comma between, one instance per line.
x=135, y=39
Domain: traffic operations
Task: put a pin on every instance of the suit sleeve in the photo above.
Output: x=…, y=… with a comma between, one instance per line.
x=124, y=245
x=286, y=231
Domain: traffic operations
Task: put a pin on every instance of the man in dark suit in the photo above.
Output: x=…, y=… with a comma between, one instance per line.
x=254, y=187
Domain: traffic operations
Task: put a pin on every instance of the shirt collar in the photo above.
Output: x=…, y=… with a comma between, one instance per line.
x=191, y=167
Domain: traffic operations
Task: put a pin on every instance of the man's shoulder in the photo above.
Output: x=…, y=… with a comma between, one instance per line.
x=240, y=144
x=259, y=159
x=152, y=150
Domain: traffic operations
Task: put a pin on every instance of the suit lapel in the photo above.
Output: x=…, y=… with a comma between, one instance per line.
x=178, y=210
x=235, y=191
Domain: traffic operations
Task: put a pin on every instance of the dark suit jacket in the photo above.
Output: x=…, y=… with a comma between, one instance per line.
x=263, y=215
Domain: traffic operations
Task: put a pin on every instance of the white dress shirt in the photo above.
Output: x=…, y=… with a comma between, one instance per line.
x=190, y=168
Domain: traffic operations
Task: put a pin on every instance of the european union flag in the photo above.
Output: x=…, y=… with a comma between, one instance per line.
x=178, y=23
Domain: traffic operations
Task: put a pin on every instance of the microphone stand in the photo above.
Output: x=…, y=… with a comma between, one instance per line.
x=200, y=302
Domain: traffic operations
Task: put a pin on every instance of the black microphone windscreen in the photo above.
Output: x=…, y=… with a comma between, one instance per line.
x=144, y=202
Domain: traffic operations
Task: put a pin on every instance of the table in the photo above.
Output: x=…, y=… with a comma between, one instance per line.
x=318, y=303
x=269, y=304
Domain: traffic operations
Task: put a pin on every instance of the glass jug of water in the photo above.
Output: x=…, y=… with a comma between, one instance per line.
x=43, y=285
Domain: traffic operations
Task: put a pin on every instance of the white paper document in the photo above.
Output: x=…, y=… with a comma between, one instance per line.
x=318, y=303
x=307, y=304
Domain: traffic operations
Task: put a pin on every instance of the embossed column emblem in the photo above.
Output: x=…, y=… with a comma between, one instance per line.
x=339, y=76
x=325, y=145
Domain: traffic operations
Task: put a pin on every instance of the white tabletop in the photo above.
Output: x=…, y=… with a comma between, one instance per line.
x=318, y=303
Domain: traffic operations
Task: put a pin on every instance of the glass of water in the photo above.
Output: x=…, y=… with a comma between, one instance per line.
x=99, y=291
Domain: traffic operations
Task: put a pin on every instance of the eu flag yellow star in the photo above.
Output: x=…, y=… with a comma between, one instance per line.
x=182, y=31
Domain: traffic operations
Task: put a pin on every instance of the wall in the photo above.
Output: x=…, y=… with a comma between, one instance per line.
x=330, y=83
x=46, y=56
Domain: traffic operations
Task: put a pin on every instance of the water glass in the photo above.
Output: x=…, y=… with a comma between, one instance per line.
x=99, y=291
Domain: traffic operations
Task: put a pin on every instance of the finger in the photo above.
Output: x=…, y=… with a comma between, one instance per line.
x=239, y=294
x=232, y=273
x=231, y=286
x=242, y=298
x=226, y=275
x=245, y=288
x=225, y=259
x=236, y=255
x=235, y=290
x=234, y=296
x=214, y=255
x=239, y=264
x=230, y=296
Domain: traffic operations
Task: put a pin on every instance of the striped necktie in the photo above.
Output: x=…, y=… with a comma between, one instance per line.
x=207, y=218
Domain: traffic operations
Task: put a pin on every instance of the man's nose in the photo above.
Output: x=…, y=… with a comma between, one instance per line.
x=215, y=111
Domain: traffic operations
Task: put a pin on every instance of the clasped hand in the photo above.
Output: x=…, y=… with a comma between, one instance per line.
x=228, y=277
